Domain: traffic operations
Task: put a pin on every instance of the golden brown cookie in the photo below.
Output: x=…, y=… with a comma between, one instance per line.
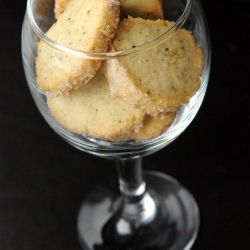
x=153, y=126
x=60, y=6
x=159, y=79
x=86, y=26
x=93, y=111
x=150, y=9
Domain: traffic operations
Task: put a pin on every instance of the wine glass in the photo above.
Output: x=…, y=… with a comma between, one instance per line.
x=139, y=210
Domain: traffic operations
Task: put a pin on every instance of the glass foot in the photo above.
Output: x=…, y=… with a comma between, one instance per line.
x=175, y=226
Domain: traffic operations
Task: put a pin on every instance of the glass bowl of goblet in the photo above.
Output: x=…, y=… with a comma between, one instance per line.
x=141, y=209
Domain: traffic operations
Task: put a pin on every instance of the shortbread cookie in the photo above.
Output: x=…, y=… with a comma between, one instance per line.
x=150, y=9
x=159, y=79
x=92, y=111
x=153, y=126
x=84, y=25
x=60, y=6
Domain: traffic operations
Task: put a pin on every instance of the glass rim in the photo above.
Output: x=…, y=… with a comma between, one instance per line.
x=105, y=55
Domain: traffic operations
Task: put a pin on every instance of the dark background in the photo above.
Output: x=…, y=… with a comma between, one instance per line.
x=43, y=179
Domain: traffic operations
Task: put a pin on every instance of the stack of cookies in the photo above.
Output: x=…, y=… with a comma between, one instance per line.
x=130, y=97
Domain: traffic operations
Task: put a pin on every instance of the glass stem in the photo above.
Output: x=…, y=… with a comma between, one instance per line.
x=132, y=185
x=137, y=208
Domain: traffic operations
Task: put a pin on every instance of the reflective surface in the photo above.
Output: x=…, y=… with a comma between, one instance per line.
x=175, y=227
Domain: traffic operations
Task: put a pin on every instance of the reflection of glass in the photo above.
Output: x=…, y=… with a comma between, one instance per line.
x=154, y=210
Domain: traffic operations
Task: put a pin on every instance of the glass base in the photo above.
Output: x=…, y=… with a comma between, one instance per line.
x=174, y=228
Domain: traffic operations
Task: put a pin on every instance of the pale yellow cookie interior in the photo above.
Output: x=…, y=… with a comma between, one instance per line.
x=149, y=9
x=87, y=25
x=60, y=6
x=93, y=111
x=153, y=126
x=161, y=78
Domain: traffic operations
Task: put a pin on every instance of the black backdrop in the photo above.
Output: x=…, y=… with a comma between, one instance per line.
x=43, y=179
